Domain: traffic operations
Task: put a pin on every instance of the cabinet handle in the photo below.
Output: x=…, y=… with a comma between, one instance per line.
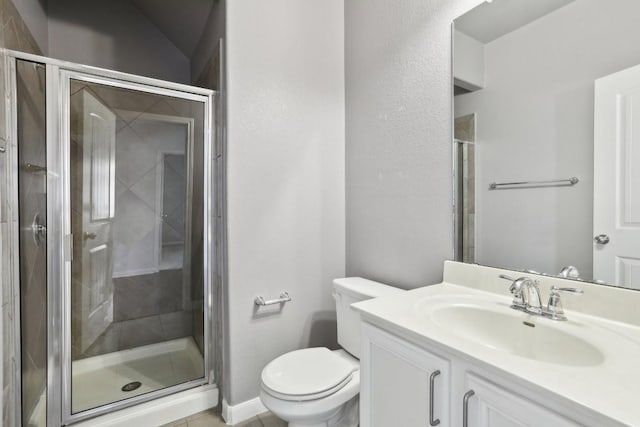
x=432, y=380
x=465, y=407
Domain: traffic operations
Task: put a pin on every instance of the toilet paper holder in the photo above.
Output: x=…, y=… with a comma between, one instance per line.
x=284, y=297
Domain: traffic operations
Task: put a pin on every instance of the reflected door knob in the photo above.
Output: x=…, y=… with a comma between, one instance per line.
x=38, y=229
x=86, y=235
x=601, y=239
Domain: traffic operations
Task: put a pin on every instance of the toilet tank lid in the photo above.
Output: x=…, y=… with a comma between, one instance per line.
x=364, y=288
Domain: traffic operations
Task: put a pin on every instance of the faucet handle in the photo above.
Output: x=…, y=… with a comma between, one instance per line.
x=554, y=307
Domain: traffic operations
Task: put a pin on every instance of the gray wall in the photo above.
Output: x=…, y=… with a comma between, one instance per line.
x=398, y=138
x=115, y=35
x=286, y=228
x=536, y=122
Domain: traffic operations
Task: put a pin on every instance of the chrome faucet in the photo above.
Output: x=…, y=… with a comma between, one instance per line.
x=526, y=297
x=526, y=294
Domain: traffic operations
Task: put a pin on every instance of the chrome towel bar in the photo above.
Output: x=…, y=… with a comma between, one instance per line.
x=557, y=182
x=284, y=297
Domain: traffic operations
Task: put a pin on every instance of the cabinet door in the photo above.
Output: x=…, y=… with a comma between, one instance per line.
x=396, y=378
x=492, y=406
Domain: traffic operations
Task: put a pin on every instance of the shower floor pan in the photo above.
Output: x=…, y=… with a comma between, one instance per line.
x=99, y=380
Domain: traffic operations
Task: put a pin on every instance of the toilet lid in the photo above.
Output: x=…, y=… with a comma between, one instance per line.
x=306, y=374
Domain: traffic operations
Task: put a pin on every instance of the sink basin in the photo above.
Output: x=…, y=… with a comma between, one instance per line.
x=514, y=332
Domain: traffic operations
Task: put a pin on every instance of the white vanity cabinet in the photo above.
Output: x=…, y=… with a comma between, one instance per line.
x=488, y=405
x=397, y=381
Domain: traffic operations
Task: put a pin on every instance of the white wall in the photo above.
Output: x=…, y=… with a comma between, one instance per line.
x=34, y=14
x=399, y=130
x=535, y=121
x=286, y=225
x=115, y=35
x=468, y=61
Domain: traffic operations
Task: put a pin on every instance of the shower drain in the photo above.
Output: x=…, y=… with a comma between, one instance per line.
x=131, y=386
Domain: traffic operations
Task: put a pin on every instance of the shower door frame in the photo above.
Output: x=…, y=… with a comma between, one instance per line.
x=59, y=238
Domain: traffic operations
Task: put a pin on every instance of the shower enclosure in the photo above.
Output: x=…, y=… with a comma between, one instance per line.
x=114, y=188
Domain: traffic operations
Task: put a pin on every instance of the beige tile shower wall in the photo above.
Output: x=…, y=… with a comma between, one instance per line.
x=14, y=35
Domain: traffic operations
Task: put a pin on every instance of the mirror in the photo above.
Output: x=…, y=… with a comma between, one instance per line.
x=546, y=153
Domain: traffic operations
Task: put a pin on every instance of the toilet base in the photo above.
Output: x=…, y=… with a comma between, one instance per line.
x=346, y=416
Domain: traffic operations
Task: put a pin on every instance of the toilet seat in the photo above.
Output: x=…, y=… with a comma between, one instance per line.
x=306, y=374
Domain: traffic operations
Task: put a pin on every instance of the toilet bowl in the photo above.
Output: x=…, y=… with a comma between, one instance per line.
x=313, y=387
x=317, y=387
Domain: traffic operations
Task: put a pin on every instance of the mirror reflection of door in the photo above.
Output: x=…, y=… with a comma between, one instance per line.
x=98, y=188
x=616, y=215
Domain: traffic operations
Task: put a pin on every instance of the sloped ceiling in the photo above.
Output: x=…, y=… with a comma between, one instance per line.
x=182, y=21
x=490, y=21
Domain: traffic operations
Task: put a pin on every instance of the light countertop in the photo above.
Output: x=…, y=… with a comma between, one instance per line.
x=608, y=391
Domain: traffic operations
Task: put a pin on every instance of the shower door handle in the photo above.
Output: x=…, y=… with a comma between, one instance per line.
x=86, y=235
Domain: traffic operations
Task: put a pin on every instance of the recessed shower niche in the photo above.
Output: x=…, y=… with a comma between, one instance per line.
x=115, y=187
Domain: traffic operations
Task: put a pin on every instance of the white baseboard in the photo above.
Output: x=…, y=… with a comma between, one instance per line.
x=242, y=411
x=160, y=411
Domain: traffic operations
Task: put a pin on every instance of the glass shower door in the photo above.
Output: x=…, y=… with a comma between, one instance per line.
x=135, y=324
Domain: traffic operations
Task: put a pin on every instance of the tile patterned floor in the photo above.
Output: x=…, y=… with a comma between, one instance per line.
x=213, y=419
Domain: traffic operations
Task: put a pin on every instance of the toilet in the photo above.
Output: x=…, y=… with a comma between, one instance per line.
x=317, y=387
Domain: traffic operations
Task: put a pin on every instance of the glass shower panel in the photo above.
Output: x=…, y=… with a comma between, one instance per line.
x=137, y=205
x=32, y=188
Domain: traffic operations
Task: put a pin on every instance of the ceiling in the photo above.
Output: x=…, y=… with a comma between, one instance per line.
x=490, y=21
x=183, y=22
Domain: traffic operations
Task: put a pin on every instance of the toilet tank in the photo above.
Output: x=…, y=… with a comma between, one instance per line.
x=348, y=291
